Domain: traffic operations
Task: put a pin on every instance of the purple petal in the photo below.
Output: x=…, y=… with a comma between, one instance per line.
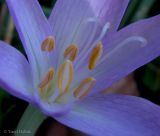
x=33, y=28
x=114, y=115
x=82, y=21
x=129, y=49
x=72, y=11
x=50, y=107
x=68, y=16
x=110, y=11
x=69, y=21
x=15, y=73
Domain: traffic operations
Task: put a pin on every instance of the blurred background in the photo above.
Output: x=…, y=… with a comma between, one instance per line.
x=144, y=82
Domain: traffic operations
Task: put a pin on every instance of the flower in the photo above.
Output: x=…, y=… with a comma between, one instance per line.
x=76, y=54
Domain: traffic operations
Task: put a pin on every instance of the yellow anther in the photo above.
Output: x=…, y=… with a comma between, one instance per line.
x=47, y=79
x=71, y=52
x=95, y=55
x=48, y=44
x=65, y=76
x=84, y=88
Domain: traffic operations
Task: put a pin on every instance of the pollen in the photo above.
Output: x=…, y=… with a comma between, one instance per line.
x=71, y=52
x=65, y=76
x=95, y=55
x=47, y=79
x=84, y=88
x=48, y=44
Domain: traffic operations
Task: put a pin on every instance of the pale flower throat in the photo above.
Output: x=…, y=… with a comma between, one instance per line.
x=63, y=77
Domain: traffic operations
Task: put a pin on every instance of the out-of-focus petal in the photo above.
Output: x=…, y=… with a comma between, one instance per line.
x=129, y=49
x=33, y=28
x=114, y=115
x=15, y=73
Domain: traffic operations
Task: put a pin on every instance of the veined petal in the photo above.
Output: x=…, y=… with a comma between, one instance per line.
x=114, y=115
x=50, y=107
x=15, y=73
x=109, y=11
x=68, y=17
x=69, y=21
x=33, y=28
x=131, y=48
x=72, y=11
x=82, y=22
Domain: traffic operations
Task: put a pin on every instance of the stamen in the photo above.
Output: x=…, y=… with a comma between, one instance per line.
x=95, y=55
x=65, y=76
x=48, y=44
x=47, y=79
x=84, y=88
x=71, y=52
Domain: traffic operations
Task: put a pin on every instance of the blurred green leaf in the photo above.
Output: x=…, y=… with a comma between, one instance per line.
x=47, y=11
x=143, y=9
x=151, y=77
x=137, y=10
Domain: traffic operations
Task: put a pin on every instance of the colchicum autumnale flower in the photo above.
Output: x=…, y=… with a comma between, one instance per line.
x=76, y=54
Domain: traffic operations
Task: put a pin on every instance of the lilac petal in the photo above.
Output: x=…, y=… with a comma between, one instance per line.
x=81, y=22
x=114, y=115
x=131, y=48
x=70, y=13
x=68, y=17
x=33, y=28
x=51, y=107
x=69, y=21
x=15, y=73
x=110, y=10
x=139, y=28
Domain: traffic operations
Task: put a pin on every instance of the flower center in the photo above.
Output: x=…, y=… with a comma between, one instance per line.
x=65, y=76
x=48, y=78
x=62, y=79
